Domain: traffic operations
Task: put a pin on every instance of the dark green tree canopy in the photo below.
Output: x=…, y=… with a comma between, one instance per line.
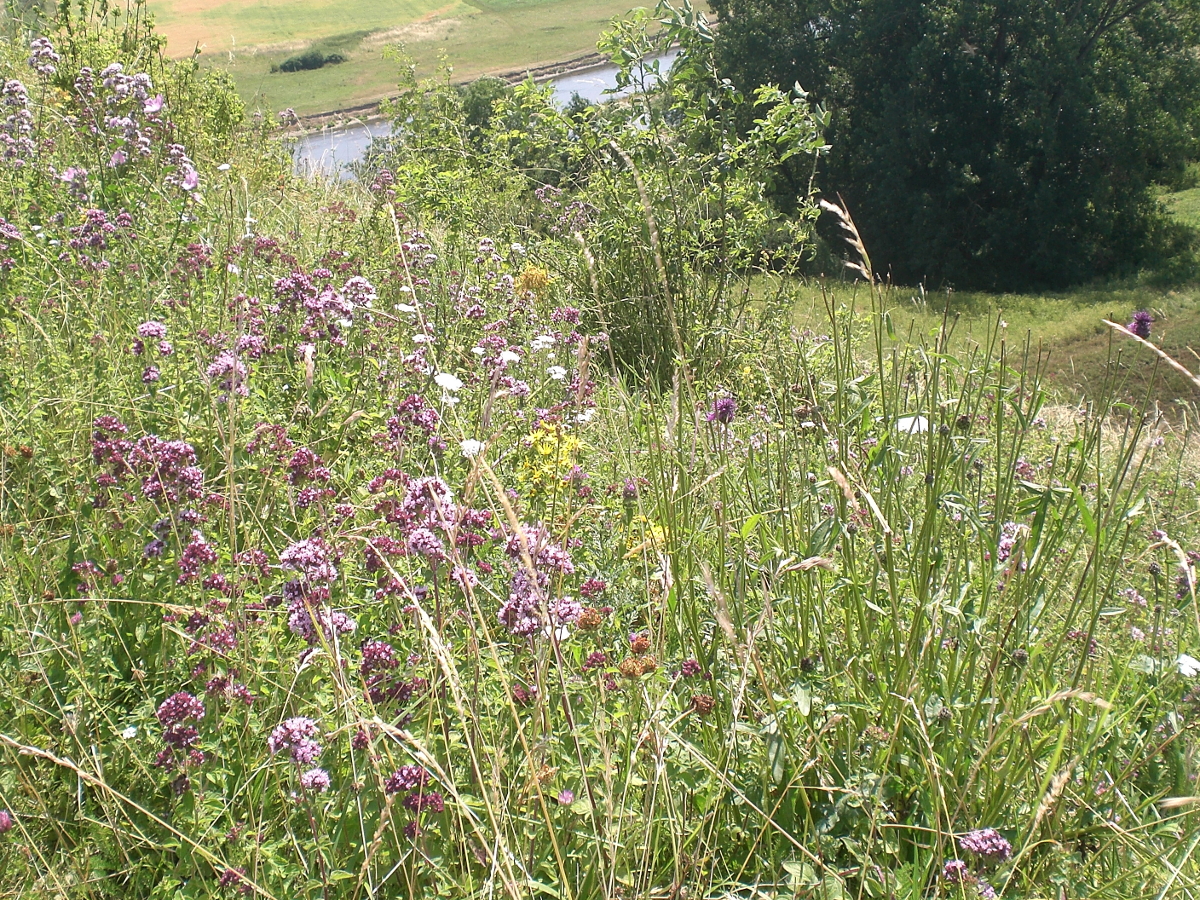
x=996, y=144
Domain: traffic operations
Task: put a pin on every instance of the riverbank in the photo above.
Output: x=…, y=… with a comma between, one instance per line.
x=329, y=144
x=369, y=111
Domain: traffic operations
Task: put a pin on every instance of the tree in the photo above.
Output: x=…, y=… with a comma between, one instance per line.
x=997, y=144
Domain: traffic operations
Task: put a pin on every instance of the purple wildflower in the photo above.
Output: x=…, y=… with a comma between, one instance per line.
x=179, y=708
x=6, y=821
x=296, y=735
x=152, y=331
x=311, y=558
x=406, y=778
x=432, y=802
x=955, y=872
x=1140, y=324
x=42, y=57
x=315, y=780
x=723, y=411
x=986, y=843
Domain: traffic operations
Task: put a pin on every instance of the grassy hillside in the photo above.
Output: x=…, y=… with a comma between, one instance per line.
x=456, y=535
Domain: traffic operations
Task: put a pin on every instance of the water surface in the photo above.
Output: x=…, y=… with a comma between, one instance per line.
x=328, y=151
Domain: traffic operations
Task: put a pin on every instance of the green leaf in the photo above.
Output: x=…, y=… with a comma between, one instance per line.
x=802, y=697
x=776, y=757
x=1089, y=523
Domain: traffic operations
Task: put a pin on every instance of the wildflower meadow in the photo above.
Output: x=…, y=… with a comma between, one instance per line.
x=472, y=531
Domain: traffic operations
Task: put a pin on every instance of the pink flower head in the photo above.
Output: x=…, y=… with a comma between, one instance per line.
x=315, y=780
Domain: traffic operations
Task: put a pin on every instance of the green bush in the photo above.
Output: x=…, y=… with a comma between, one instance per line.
x=310, y=59
x=995, y=144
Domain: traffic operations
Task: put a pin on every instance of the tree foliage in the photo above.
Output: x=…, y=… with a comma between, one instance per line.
x=996, y=144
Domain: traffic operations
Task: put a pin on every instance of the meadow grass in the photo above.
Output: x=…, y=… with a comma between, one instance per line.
x=1066, y=326
x=341, y=558
x=475, y=39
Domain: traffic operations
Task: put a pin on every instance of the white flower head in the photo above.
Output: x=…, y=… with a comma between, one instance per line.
x=558, y=373
x=508, y=356
x=405, y=308
x=478, y=351
x=447, y=382
x=129, y=733
x=471, y=447
x=542, y=342
x=1189, y=666
x=912, y=424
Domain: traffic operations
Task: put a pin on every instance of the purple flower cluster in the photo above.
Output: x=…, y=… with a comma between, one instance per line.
x=183, y=173
x=91, y=238
x=122, y=112
x=524, y=612
x=414, y=779
x=179, y=708
x=413, y=415
x=987, y=844
x=328, y=312
x=8, y=233
x=16, y=130
x=378, y=669
x=197, y=554
x=175, y=713
x=296, y=735
x=42, y=58
x=311, y=558
x=308, y=617
x=315, y=779
x=6, y=821
x=1140, y=324
x=723, y=412
x=1010, y=532
x=230, y=374
x=169, y=470
x=406, y=778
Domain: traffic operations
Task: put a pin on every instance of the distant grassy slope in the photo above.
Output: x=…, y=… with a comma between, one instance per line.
x=477, y=38
x=223, y=25
x=1067, y=325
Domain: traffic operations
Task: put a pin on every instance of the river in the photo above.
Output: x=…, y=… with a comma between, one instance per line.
x=328, y=151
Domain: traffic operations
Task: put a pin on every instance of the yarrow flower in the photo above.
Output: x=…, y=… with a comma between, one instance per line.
x=448, y=382
x=1140, y=324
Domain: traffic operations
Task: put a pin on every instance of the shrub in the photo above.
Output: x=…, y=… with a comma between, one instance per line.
x=994, y=144
x=310, y=59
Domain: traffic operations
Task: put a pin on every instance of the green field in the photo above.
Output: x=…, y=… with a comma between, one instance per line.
x=476, y=38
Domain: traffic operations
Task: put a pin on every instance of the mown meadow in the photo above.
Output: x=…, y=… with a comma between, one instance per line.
x=250, y=41
x=465, y=532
